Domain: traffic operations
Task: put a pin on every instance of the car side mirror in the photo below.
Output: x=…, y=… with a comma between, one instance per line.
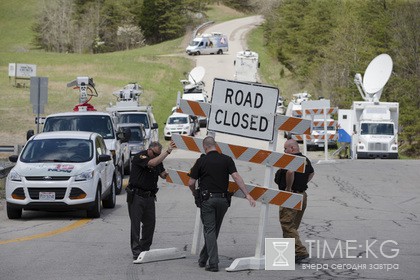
x=13, y=158
x=104, y=158
x=155, y=126
x=29, y=134
x=124, y=135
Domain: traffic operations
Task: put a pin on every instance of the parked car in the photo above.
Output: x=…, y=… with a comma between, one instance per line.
x=67, y=170
x=179, y=123
x=98, y=122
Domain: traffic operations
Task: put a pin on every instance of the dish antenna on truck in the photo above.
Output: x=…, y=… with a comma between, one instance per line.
x=195, y=79
x=376, y=76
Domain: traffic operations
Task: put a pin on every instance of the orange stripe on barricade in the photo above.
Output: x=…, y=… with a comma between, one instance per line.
x=233, y=187
x=298, y=206
x=169, y=179
x=237, y=150
x=184, y=177
x=196, y=108
x=190, y=143
x=284, y=160
x=290, y=124
x=260, y=156
x=257, y=192
x=280, y=198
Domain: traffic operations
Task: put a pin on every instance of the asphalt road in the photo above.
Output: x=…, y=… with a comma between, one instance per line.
x=368, y=209
x=373, y=205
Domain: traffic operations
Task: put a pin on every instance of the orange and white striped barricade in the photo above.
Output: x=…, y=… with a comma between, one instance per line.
x=269, y=158
x=315, y=137
x=293, y=125
x=194, y=108
x=289, y=124
x=323, y=123
x=259, y=193
x=306, y=112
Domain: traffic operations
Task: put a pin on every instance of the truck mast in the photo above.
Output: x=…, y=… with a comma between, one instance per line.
x=87, y=90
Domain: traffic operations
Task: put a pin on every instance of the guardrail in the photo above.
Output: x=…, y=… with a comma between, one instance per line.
x=10, y=149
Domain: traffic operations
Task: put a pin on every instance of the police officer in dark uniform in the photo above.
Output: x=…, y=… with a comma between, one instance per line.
x=141, y=194
x=296, y=182
x=212, y=171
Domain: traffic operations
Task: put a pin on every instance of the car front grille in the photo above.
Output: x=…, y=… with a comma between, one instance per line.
x=59, y=192
x=378, y=147
x=47, y=178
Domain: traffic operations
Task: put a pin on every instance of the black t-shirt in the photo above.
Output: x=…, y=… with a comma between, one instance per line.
x=212, y=171
x=143, y=176
x=300, y=184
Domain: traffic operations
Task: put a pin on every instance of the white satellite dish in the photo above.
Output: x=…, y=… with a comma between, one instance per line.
x=196, y=75
x=377, y=74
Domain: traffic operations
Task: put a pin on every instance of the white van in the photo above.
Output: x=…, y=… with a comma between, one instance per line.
x=214, y=43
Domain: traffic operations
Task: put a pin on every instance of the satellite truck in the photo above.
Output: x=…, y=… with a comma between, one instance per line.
x=371, y=126
x=128, y=110
x=246, y=66
x=208, y=43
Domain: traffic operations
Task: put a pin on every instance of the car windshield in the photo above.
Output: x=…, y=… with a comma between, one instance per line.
x=135, y=118
x=194, y=43
x=58, y=150
x=136, y=135
x=178, y=120
x=99, y=124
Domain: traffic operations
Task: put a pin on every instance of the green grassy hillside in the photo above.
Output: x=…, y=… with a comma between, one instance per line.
x=157, y=68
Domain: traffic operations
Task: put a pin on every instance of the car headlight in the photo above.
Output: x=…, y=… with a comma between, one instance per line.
x=84, y=176
x=14, y=176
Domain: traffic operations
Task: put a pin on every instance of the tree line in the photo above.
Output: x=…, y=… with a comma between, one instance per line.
x=96, y=26
x=322, y=43
x=325, y=43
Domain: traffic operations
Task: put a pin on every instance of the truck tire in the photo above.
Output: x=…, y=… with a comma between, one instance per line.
x=95, y=211
x=127, y=169
x=111, y=199
x=14, y=213
x=119, y=176
x=220, y=51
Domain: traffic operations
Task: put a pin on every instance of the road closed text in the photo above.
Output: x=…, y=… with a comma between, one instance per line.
x=243, y=109
x=244, y=121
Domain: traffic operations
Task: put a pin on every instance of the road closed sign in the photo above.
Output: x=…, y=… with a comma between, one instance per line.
x=243, y=109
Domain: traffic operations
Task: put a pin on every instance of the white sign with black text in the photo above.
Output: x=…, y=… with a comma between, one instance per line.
x=244, y=109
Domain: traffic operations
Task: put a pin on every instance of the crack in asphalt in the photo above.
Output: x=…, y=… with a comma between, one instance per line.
x=347, y=187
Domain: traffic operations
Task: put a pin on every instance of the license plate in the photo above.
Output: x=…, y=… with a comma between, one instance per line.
x=47, y=196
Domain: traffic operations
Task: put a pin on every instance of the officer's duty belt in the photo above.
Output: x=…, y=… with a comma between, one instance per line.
x=218, y=195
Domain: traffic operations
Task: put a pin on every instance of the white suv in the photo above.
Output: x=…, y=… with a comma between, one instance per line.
x=98, y=122
x=68, y=170
x=179, y=123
